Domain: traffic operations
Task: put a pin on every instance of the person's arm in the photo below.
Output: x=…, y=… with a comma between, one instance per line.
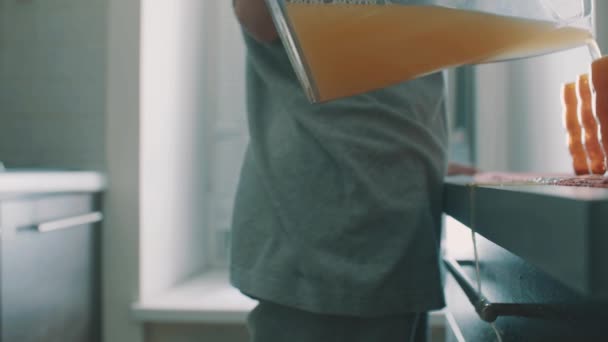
x=255, y=18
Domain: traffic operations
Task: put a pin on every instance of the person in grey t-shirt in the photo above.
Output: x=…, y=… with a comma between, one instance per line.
x=337, y=217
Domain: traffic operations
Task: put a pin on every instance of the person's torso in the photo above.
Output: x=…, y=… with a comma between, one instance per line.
x=353, y=185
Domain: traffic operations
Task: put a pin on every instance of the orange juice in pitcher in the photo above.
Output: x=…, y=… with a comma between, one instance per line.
x=341, y=48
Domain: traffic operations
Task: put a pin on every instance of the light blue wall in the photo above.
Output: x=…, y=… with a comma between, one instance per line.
x=52, y=83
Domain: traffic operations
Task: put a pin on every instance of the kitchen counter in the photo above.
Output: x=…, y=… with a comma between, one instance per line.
x=561, y=230
x=21, y=182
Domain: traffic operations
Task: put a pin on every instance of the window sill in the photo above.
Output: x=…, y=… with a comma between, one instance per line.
x=210, y=299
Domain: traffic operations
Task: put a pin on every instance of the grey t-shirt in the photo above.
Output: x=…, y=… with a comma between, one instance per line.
x=339, y=204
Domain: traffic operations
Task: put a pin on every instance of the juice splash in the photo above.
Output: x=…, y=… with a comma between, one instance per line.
x=354, y=48
x=595, y=152
x=599, y=88
x=574, y=130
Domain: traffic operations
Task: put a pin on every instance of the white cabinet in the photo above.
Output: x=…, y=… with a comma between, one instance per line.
x=49, y=278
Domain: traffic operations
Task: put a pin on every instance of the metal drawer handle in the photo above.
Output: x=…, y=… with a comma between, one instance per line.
x=69, y=222
x=489, y=311
x=479, y=301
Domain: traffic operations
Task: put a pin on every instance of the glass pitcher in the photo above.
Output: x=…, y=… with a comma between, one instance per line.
x=341, y=48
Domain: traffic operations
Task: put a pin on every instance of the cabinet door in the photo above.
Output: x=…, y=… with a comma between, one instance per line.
x=49, y=280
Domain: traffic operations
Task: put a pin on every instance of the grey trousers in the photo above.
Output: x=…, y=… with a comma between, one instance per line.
x=270, y=322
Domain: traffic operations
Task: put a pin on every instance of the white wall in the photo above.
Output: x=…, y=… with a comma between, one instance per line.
x=52, y=83
x=174, y=157
x=193, y=107
x=193, y=137
x=120, y=244
x=519, y=114
x=191, y=112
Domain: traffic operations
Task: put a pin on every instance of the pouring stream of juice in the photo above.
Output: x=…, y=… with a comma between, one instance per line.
x=351, y=49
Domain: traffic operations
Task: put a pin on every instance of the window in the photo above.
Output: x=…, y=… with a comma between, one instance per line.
x=192, y=136
x=229, y=131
